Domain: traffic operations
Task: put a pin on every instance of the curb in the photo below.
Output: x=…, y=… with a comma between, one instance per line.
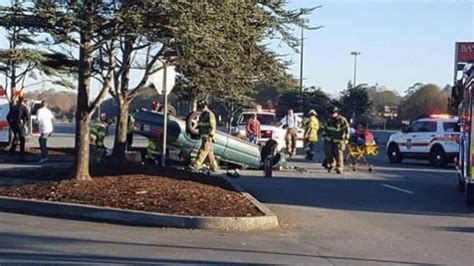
x=141, y=218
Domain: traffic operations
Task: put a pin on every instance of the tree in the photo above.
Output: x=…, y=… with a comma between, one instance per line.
x=355, y=103
x=220, y=44
x=316, y=99
x=427, y=99
x=24, y=58
x=89, y=27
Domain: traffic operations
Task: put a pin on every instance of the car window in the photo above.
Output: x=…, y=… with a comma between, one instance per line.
x=264, y=119
x=429, y=126
x=451, y=127
x=416, y=127
x=423, y=126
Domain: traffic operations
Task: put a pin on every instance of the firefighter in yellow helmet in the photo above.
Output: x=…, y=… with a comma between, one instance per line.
x=311, y=134
x=207, y=132
x=336, y=136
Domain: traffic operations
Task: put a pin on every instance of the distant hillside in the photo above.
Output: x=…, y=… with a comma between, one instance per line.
x=62, y=103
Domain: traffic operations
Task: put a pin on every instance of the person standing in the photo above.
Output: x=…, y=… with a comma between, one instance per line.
x=291, y=122
x=311, y=134
x=207, y=132
x=18, y=118
x=45, y=121
x=253, y=129
x=336, y=136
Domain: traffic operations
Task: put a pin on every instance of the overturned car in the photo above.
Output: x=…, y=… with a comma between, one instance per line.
x=182, y=134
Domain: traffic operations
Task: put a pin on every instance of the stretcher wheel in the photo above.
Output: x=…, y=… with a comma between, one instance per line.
x=354, y=167
x=370, y=168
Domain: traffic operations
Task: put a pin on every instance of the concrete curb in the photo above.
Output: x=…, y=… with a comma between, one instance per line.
x=141, y=218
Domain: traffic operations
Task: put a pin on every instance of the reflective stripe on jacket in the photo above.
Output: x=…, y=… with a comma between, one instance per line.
x=207, y=124
x=311, y=129
x=336, y=129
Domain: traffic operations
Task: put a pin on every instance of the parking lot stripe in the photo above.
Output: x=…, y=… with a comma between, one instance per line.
x=399, y=189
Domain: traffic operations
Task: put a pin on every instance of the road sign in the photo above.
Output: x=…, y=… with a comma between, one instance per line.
x=158, y=77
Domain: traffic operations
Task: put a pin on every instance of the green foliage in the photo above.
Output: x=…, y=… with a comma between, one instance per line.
x=355, y=103
x=427, y=99
x=316, y=99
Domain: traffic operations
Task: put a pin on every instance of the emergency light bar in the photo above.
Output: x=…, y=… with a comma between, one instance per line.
x=441, y=116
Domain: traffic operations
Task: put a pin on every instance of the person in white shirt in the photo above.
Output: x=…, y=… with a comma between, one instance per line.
x=291, y=122
x=45, y=121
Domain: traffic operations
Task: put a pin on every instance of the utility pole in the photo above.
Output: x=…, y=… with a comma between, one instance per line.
x=301, y=61
x=355, y=54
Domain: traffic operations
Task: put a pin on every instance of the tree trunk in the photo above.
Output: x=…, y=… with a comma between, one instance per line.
x=83, y=117
x=123, y=102
x=121, y=131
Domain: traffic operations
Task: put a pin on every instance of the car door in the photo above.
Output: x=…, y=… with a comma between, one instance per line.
x=421, y=139
x=409, y=136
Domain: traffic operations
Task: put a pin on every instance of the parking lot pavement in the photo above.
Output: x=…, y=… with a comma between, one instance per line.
x=398, y=214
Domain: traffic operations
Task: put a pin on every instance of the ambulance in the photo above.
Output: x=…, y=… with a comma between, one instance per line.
x=4, y=109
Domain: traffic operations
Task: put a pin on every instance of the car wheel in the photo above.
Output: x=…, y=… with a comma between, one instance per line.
x=171, y=110
x=192, y=123
x=469, y=193
x=461, y=183
x=438, y=157
x=393, y=153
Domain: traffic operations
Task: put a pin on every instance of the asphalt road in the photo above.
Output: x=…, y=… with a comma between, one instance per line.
x=399, y=214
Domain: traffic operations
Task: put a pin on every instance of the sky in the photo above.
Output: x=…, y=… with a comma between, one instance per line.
x=401, y=42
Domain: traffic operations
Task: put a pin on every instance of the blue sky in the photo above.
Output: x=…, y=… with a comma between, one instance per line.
x=401, y=42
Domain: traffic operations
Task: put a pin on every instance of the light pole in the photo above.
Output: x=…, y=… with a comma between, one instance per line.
x=355, y=54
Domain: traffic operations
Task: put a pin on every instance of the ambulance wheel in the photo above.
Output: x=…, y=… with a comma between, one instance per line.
x=171, y=110
x=461, y=184
x=192, y=123
x=438, y=157
x=469, y=192
x=393, y=153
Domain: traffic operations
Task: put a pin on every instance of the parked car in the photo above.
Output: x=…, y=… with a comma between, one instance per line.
x=435, y=138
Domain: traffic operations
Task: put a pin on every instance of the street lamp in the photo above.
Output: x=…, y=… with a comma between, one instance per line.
x=355, y=54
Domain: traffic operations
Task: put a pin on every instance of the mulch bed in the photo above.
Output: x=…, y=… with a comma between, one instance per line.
x=145, y=188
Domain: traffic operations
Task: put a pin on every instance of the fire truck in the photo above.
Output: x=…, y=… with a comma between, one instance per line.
x=462, y=100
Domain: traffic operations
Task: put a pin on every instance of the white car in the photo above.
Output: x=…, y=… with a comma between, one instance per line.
x=270, y=126
x=435, y=139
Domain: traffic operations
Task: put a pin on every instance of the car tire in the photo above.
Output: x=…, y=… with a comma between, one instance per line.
x=461, y=184
x=469, y=193
x=171, y=110
x=438, y=157
x=394, y=155
x=192, y=123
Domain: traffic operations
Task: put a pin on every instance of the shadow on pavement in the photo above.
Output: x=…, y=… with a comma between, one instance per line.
x=25, y=243
x=456, y=229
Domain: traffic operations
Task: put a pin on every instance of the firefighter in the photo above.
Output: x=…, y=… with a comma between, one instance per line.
x=311, y=134
x=207, y=132
x=336, y=136
x=152, y=152
x=97, y=134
